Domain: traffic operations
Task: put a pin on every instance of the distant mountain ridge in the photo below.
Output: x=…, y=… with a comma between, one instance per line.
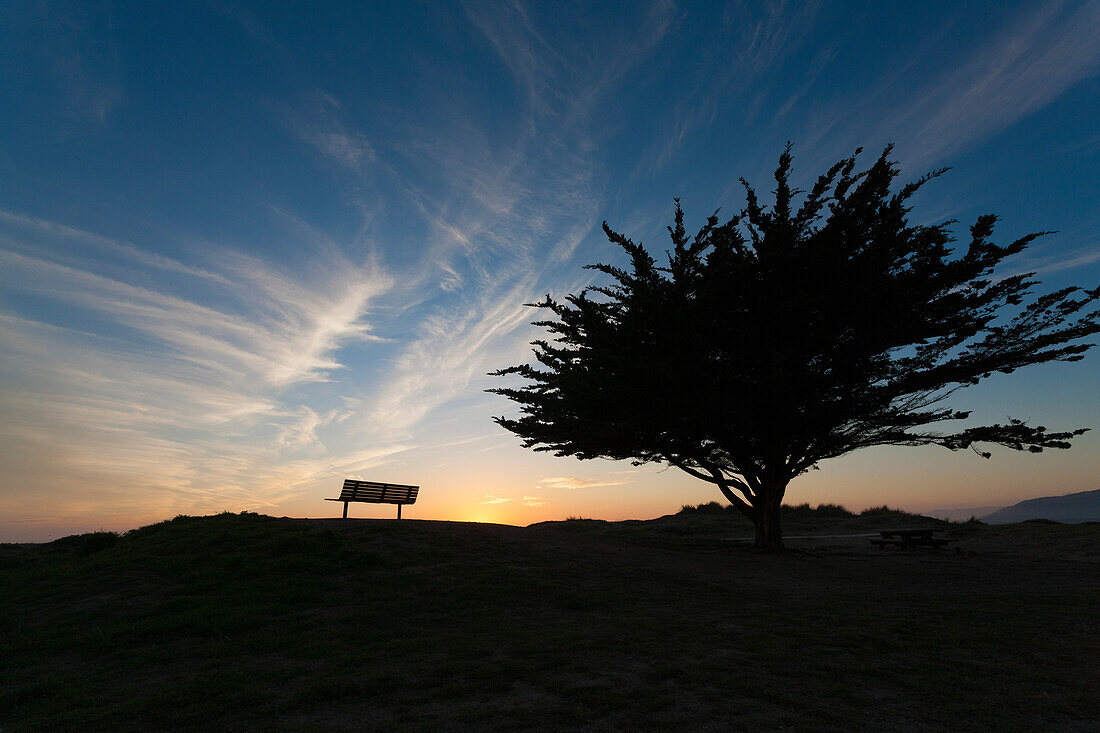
x=1083, y=506
x=963, y=514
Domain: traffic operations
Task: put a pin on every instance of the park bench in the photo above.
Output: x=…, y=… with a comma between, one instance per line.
x=910, y=538
x=374, y=492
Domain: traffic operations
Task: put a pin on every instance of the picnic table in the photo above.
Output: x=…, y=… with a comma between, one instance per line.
x=910, y=538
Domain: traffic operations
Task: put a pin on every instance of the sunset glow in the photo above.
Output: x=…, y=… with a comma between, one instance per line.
x=247, y=252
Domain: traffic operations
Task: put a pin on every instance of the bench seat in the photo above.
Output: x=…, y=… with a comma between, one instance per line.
x=374, y=492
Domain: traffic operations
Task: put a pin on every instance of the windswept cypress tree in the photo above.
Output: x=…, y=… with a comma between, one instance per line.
x=784, y=337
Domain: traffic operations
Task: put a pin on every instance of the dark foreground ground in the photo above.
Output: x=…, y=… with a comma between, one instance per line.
x=249, y=622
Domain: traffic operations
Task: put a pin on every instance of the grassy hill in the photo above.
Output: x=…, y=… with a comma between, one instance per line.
x=245, y=621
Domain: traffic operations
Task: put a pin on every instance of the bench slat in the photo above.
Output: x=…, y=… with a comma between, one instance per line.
x=376, y=492
x=348, y=482
x=379, y=492
x=376, y=497
x=375, y=500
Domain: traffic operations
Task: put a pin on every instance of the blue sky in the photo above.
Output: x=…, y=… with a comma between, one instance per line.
x=247, y=250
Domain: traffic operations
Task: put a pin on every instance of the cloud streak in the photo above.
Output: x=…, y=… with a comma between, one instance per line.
x=1026, y=66
x=753, y=40
x=317, y=122
x=615, y=478
x=186, y=406
x=295, y=345
x=83, y=62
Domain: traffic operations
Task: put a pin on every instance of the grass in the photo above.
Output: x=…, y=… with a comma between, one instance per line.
x=245, y=621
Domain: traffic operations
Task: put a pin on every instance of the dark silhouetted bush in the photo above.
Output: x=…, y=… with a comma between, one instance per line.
x=90, y=543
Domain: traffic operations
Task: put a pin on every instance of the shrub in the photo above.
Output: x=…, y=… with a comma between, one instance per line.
x=874, y=511
x=86, y=544
x=711, y=507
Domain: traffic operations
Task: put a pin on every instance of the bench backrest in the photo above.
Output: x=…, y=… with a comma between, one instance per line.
x=378, y=493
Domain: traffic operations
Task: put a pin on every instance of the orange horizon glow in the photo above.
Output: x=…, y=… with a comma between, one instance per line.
x=918, y=480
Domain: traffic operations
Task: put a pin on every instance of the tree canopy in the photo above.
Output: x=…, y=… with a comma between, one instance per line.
x=790, y=334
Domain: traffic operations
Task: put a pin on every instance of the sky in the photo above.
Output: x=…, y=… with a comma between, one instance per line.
x=247, y=250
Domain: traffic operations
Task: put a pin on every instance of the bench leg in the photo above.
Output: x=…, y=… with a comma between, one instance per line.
x=398, y=511
x=345, y=510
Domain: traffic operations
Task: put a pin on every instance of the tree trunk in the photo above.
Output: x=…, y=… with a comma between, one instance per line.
x=769, y=535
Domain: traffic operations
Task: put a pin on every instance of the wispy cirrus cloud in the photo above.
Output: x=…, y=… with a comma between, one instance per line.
x=531, y=59
x=83, y=62
x=453, y=349
x=33, y=231
x=1025, y=66
x=317, y=122
x=294, y=347
x=614, y=478
x=180, y=405
x=564, y=78
x=765, y=34
x=257, y=31
x=1040, y=260
x=505, y=214
x=490, y=499
x=751, y=41
x=1075, y=258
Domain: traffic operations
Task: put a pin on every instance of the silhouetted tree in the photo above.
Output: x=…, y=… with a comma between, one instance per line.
x=784, y=337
